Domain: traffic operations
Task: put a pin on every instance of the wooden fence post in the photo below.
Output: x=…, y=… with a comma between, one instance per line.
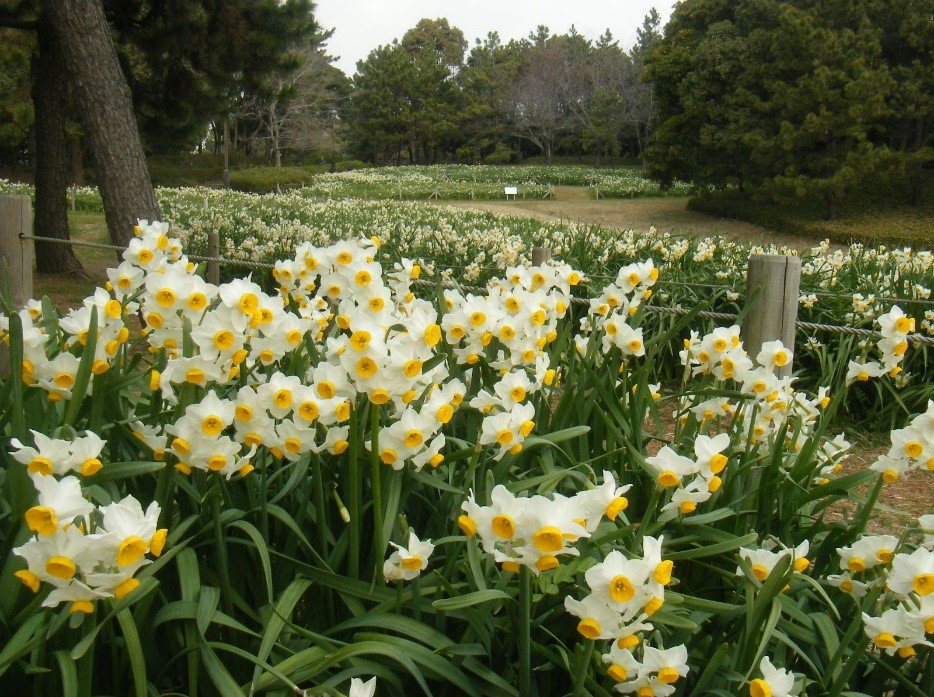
x=18, y=254
x=773, y=282
x=214, y=250
x=540, y=255
x=17, y=257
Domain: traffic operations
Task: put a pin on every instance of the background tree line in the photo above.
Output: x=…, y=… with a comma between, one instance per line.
x=261, y=71
x=425, y=99
x=782, y=99
x=795, y=99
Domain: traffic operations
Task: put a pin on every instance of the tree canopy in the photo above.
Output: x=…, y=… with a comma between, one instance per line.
x=791, y=97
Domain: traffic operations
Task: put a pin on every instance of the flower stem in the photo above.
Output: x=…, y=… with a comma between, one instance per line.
x=377, y=489
x=525, y=632
x=354, y=496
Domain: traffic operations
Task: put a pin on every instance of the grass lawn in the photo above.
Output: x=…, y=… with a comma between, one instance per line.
x=68, y=290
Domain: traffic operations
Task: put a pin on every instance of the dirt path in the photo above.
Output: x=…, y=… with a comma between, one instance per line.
x=572, y=203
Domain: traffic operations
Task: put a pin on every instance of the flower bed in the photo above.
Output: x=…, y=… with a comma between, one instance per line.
x=361, y=475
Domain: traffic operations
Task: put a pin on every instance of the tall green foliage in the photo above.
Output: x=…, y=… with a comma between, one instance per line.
x=795, y=98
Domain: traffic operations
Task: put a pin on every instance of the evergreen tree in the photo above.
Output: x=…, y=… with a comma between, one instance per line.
x=779, y=96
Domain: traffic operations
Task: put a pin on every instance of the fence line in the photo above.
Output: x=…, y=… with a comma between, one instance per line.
x=119, y=248
x=438, y=264
x=580, y=302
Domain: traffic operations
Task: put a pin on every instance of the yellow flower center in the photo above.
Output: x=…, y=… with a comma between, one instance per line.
x=224, y=340
x=445, y=412
x=130, y=550
x=663, y=571
x=42, y=519
x=589, y=628
x=467, y=525
x=885, y=640
x=125, y=588
x=197, y=301
x=212, y=425
x=40, y=465
x=548, y=539
x=366, y=367
x=923, y=584
x=856, y=564
x=621, y=589
x=503, y=526
x=413, y=563
x=759, y=688
x=616, y=506
x=283, y=398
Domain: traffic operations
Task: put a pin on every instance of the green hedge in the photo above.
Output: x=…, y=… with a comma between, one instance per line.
x=872, y=216
x=269, y=179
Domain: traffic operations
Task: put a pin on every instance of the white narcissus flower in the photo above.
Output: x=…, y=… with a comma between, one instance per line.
x=775, y=682
x=912, y=573
x=597, y=619
x=666, y=665
x=358, y=688
x=60, y=502
x=773, y=354
x=896, y=629
x=926, y=523
x=408, y=562
x=50, y=455
x=671, y=467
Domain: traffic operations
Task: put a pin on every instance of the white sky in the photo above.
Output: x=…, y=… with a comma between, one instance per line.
x=362, y=25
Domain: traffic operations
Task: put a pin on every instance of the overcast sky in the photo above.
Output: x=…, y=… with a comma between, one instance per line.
x=362, y=25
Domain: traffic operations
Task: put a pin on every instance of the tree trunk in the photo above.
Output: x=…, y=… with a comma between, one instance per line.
x=106, y=111
x=52, y=159
x=830, y=199
x=226, y=153
x=76, y=155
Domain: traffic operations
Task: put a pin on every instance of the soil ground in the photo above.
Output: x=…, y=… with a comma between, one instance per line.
x=671, y=214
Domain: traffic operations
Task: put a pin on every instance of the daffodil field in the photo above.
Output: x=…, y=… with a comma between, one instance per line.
x=354, y=479
x=850, y=287
x=485, y=182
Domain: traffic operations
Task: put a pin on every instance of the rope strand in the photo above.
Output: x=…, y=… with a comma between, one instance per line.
x=580, y=302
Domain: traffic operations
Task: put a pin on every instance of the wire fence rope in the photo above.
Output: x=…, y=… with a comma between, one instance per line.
x=580, y=302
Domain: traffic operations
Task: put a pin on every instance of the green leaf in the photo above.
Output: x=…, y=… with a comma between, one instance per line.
x=282, y=612
x=259, y=546
x=122, y=470
x=134, y=650
x=469, y=599
x=69, y=673
x=80, y=389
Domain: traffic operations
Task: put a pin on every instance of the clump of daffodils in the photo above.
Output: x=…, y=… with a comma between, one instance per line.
x=408, y=562
x=691, y=479
x=912, y=448
x=894, y=326
x=535, y=531
x=761, y=561
x=82, y=551
x=58, y=456
x=902, y=578
x=612, y=309
x=624, y=594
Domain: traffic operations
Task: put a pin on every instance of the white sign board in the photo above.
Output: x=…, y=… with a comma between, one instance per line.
x=511, y=190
